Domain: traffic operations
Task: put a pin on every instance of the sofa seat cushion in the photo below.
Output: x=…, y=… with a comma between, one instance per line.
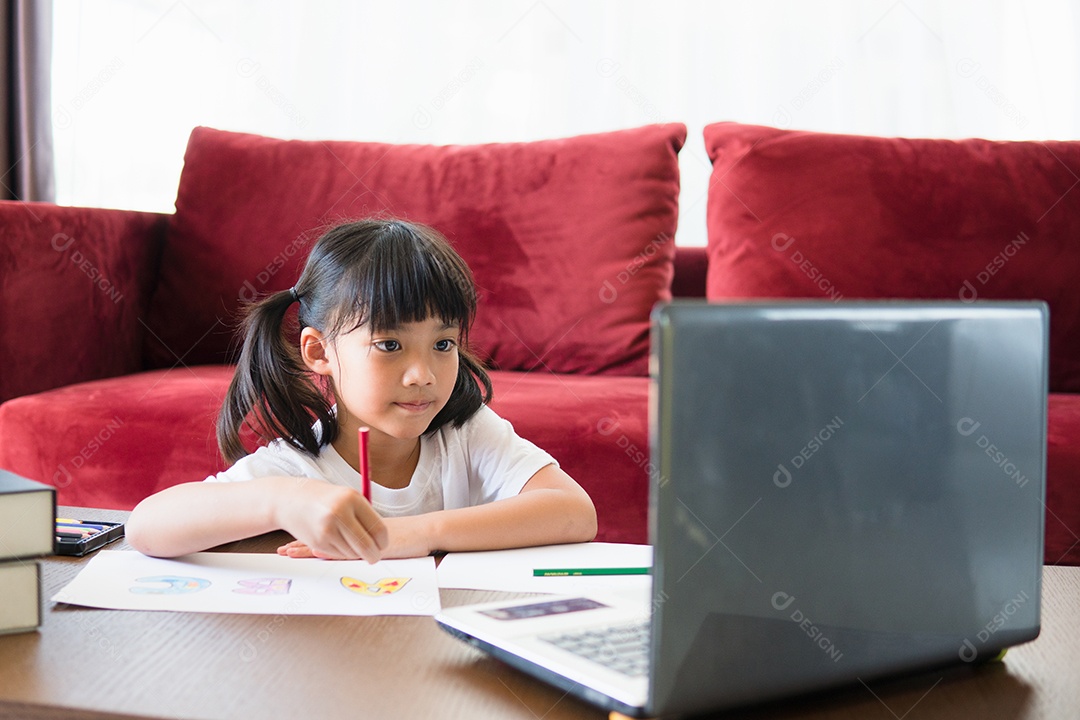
x=597, y=428
x=1063, y=480
x=113, y=442
x=816, y=215
x=570, y=240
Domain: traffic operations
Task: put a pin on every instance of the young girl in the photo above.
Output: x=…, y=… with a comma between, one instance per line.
x=385, y=308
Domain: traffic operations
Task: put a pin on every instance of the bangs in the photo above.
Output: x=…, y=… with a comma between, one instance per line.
x=406, y=277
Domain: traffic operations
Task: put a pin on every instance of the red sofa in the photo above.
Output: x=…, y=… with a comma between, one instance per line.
x=117, y=327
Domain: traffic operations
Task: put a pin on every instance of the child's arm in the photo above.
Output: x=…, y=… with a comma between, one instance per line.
x=551, y=508
x=190, y=517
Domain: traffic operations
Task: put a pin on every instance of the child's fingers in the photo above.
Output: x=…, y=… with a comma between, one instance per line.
x=296, y=549
x=349, y=540
x=365, y=531
x=362, y=543
x=334, y=523
x=343, y=543
x=375, y=526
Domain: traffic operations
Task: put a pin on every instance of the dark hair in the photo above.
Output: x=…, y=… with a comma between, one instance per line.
x=383, y=272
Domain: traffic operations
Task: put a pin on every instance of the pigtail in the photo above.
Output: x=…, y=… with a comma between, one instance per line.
x=272, y=390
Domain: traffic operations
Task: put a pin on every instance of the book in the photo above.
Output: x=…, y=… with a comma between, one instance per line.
x=20, y=596
x=27, y=517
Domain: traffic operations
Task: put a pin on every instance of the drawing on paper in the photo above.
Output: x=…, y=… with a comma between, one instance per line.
x=379, y=588
x=169, y=585
x=264, y=586
x=254, y=583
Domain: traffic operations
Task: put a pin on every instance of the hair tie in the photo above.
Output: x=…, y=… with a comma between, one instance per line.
x=295, y=295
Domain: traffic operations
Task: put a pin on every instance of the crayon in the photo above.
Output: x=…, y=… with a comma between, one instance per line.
x=63, y=522
x=76, y=531
x=92, y=523
x=72, y=536
x=365, y=477
x=88, y=526
x=569, y=572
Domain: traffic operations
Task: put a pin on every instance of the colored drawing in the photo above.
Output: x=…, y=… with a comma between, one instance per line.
x=255, y=583
x=170, y=585
x=264, y=586
x=379, y=588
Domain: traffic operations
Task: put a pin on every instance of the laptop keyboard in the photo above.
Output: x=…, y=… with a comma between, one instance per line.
x=623, y=648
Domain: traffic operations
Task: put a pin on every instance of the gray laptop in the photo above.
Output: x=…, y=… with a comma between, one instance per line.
x=842, y=492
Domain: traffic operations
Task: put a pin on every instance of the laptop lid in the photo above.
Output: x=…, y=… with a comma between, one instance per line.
x=842, y=491
x=838, y=492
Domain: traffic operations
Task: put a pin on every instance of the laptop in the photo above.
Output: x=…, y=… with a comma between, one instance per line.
x=842, y=492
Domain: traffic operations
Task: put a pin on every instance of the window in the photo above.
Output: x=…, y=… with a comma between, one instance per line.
x=131, y=78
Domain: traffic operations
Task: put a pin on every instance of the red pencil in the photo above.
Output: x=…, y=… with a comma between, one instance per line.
x=365, y=478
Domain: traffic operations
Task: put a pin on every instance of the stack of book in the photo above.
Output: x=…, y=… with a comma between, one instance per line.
x=27, y=530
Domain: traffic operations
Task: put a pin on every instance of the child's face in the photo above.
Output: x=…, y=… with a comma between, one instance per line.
x=394, y=381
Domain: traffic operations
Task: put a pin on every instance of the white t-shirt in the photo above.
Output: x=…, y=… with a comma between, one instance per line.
x=482, y=461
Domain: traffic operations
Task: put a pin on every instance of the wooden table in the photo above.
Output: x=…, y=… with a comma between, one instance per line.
x=87, y=663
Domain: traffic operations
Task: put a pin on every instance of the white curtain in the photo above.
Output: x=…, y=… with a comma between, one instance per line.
x=26, y=159
x=132, y=77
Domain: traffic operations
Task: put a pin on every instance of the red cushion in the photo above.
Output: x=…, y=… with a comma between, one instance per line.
x=814, y=215
x=74, y=287
x=569, y=240
x=598, y=430
x=114, y=442
x=1063, y=480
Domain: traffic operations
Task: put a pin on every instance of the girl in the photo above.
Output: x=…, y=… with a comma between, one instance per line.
x=385, y=308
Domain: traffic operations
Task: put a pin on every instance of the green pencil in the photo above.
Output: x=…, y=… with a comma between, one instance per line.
x=567, y=572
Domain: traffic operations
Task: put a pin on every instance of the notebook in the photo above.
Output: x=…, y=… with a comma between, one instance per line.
x=841, y=492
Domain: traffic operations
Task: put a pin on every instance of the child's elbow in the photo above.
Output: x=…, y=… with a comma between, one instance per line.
x=134, y=535
x=586, y=525
x=139, y=535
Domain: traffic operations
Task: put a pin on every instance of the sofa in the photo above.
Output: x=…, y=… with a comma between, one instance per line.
x=118, y=328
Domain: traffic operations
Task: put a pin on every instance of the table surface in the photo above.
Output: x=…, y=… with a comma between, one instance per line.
x=93, y=664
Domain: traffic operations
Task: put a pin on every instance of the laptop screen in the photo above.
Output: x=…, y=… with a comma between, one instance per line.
x=843, y=490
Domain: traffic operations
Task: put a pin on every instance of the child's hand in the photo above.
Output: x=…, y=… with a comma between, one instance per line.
x=295, y=549
x=332, y=522
x=408, y=538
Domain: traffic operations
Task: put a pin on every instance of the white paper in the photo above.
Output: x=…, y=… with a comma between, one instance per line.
x=258, y=583
x=512, y=570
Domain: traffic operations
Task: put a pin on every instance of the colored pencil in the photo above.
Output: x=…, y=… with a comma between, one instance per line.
x=569, y=572
x=85, y=529
x=365, y=477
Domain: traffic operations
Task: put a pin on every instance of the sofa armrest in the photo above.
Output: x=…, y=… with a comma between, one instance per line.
x=74, y=287
x=691, y=269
